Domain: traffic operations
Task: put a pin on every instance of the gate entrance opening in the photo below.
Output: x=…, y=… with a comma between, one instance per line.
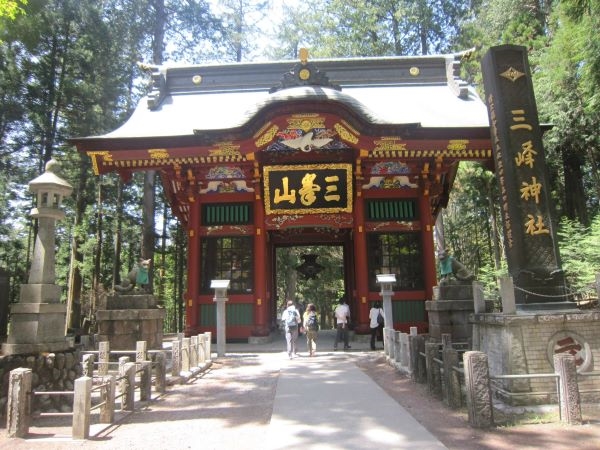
x=310, y=274
x=311, y=265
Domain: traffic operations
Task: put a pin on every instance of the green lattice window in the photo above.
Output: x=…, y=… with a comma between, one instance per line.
x=227, y=214
x=228, y=258
x=397, y=253
x=392, y=209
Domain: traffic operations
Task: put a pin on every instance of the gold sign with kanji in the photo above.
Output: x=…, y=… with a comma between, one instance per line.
x=308, y=189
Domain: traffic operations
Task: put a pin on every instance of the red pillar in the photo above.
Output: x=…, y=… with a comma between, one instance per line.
x=193, y=264
x=360, y=263
x=261, y=307
x=429, y=267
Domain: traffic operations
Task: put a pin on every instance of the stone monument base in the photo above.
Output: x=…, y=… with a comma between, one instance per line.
x=37, y=327
x=525, y=343
x=450, y=316
x=129, y=318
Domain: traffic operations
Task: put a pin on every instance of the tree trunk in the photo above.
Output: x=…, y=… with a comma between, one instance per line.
x=575, y=207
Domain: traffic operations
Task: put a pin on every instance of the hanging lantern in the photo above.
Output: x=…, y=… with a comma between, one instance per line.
x=310, y=268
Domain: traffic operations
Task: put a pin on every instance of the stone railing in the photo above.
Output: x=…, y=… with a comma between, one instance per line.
x=101, y=388
x=460, y=377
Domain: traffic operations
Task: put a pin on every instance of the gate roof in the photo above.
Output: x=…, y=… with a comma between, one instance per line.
x=186, y=101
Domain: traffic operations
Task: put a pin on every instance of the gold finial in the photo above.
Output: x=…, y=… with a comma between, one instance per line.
x=303, y=55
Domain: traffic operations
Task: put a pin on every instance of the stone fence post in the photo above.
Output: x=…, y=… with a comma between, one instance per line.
x=82, y=404
x=146, y=381
x=452, y=395
x=128, y=386
x=185, y=354
x=194, y=351
x=107, y=397
x=160, y=360
x=201, y=349
x=404, y=353
x=208, y=337
x=141, y=351
x=568, y=390
x=416, y=347
x=433, y=369
x=18, y=407
x=479, y=394
x=395, y=356
x=103, y=357
x=176, y=358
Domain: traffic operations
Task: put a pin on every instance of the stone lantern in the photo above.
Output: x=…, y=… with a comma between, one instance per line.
x=38, y=319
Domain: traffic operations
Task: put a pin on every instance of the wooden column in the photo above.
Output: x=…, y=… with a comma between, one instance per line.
x=360, y=261
x=429, y=267
x=194, y=269
x=261, y=307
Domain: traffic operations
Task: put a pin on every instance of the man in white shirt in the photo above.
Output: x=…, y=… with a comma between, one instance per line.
x=342, y=319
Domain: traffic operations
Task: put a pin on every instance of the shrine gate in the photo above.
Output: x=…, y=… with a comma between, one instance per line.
x=360, y=153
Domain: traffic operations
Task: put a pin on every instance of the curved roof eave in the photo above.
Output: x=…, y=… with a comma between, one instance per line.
x=180, y=117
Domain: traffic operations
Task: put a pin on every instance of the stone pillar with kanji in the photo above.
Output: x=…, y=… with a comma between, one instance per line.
x=528, y=219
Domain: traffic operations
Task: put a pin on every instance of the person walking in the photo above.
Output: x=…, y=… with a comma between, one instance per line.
x=311, y=327
x=342, y=319
x=291, y=319
x=375, y=323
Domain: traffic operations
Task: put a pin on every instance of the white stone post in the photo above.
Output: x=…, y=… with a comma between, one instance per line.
x=194, y=351
x=387, y=282
x=208, y=338
x=185, y=355
x=220, y=298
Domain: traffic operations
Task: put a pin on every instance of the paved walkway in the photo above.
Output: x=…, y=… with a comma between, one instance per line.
x=256, y=398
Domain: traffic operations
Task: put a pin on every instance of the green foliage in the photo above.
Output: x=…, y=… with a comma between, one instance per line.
x=11, y=8
x=342, y=28
x=580, y=253
x=324, y=290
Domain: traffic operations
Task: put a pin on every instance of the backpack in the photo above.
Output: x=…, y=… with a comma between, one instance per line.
x=291, y=320
x=380, y=319
x=312, y=323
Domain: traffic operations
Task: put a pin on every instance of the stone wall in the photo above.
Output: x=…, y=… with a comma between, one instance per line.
x=50, y=372
x=526, y=343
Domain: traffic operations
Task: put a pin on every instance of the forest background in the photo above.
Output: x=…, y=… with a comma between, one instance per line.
x=70, y=68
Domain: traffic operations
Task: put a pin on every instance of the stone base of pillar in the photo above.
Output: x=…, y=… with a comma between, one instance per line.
x=450, y=317
x=129, y=319
x=526, y=344
x=37, y=327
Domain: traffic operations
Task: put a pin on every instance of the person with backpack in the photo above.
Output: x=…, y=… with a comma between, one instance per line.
x=291, y=319
x=311, y=327
x=376, y=322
